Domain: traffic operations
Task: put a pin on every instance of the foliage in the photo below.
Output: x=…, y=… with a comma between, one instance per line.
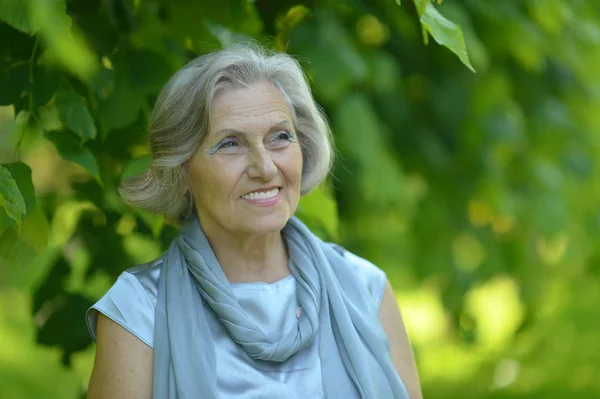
x=477, y=192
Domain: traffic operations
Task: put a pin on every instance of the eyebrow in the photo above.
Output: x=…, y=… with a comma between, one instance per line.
x=228, y=131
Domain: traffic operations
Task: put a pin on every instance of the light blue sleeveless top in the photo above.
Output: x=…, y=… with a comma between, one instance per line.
x=130, y=302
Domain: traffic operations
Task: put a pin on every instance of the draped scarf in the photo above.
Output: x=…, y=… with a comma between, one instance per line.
x=334, y=305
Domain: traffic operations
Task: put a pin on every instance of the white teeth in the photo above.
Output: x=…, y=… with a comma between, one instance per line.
x=261, y=195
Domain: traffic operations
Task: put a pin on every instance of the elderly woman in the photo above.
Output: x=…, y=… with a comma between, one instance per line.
x=246, y=302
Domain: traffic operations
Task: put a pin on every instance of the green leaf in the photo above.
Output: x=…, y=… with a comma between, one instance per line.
x=16, y=14
x=148, y=71
x=45, y=83
x=136, y=167
x=319, y=207
x=102, y=82
x=421, y=5
x=21, y=173
x=335, y=64
x=478, y=52
x=154, y=222
x=35, y=229
x=22, y=176
x=119, y=110
x=11, y=198
x=14, y=251
x=14, y=80
x=75, y=115
x=66, y=313
x=446, y=33
x=188, y=20
x=384, y=71
x=70, y=149
x=65, y=219
x=376, y=170
x=18, y=247
x=141, y=248
x=64, y=45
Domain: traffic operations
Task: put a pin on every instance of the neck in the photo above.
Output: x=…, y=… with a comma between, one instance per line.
x=248, y=257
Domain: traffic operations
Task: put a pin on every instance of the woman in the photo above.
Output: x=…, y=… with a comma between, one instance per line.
x=246, y=302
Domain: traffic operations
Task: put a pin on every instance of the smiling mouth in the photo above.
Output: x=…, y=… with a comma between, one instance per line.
x=262, y=195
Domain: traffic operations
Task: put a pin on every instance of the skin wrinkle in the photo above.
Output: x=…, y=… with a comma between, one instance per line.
x=179, y=124
x=247, y=238
x=246, y=241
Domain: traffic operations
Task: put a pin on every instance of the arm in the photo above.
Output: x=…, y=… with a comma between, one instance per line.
x=402, y=354
x=124, y=365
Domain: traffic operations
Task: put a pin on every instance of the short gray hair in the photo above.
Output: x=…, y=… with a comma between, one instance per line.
x=180, y=122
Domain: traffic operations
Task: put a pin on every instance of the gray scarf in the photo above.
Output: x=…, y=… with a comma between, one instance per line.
x=335, y=305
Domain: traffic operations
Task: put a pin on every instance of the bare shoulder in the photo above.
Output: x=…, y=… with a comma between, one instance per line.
x=402, y=354
x=124, y=364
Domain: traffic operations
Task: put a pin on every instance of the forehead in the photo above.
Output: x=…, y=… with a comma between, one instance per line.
x=261, y=103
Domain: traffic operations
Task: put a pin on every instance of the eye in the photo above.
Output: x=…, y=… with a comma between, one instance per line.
x=227, y=144
x=280, y=139
x=283, y=136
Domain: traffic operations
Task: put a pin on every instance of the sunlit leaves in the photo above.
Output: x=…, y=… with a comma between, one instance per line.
x=65, y=220
x=292, y=17
x=20, y=245
x=318, y=210
x=21, y=173
x=384, y=71
x=191, y=21
x=477, y=51
x=16, y=14
x=335, y=64
x=66, y=311
x=35, y=230
x=70, y=149
x=10, y=197
x=549, y=214
x=65, y=45
x=468, y=253
x=473, y=192
x=75, y=115
x=378, y=175
x=498, y=327
x=27, y=85
x=371, y=31
x=425, y=315
x=444, y=31
x=549, y=14
x=136, y=167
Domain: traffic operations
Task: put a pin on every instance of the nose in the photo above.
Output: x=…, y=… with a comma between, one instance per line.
x=261, y=164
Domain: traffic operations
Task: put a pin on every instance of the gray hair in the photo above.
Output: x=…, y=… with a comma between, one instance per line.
x=180, y=121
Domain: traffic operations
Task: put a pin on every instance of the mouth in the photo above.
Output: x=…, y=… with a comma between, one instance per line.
x=262, y=194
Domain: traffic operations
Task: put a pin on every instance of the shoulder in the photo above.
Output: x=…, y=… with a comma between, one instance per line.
x=367, y=273
x=147, y=275
x=130, y=302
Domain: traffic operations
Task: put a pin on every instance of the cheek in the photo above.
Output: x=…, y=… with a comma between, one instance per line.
x=209, y=179
x=298, y=164
x=223, y=176
x=292, y=166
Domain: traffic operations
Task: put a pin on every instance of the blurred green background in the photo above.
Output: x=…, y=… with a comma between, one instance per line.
x=477, y=193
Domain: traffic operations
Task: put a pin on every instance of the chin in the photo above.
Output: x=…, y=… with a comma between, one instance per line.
x=266, y=224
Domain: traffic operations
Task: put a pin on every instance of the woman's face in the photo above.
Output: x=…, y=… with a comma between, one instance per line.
x=246, y=176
